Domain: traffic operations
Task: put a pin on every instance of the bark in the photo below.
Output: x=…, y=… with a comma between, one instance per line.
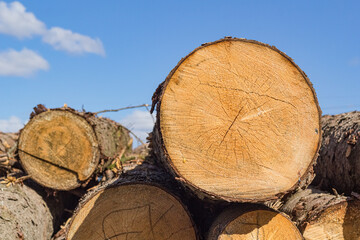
x=24, y=214
x=252, y=222
x=63, y=148
x=338, y=165
x=8, y=147
x=321, y=215
x=144, y=203
x=216, y=127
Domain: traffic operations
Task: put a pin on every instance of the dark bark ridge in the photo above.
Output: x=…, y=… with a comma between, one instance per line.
x=338, y=165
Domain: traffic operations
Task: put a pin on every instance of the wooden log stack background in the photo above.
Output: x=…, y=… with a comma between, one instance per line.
x=238, y=139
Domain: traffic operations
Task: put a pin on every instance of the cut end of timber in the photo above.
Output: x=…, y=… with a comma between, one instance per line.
x=239, y=120
x=132, y=212
x=254, y=225
x=58, y=149
x=340, y=222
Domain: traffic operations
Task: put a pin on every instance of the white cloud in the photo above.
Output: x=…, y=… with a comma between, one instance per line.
x=23, y=63
x=15, y=21
x=140, y=123
x=62, y=39
x=13, y=124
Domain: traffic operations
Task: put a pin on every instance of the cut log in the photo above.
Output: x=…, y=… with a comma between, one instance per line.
x=134, y=207
x=253, y=222
x=324, y=216
x=8, y=147
x=338, y=165
x=61, y=148
x=237, y=120
x=23, y=214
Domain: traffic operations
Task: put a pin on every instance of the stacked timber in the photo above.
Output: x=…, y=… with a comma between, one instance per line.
x=320, y=215
x=237, y=128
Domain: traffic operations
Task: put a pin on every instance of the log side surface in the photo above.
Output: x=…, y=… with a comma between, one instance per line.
x=321, y=215
x=237, y=120
x=338, y=164
x=23, y=214
x=8, y=147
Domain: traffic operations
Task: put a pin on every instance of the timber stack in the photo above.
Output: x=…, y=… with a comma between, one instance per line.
x=231, y=156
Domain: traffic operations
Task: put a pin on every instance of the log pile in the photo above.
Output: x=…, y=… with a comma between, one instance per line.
x=231, y=156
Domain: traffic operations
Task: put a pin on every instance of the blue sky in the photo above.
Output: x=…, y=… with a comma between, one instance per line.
x=110, y=54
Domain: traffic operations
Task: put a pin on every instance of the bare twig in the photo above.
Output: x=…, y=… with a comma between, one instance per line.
x=120, y=109
x=130, y=107
x=150, y=114
x=137, y=138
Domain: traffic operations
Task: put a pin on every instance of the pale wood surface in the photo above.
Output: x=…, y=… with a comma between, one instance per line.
x=253, y=223
x=338, y=222
x=58, y=149
x=238, y=120
x=321, y=215
x=132, y=211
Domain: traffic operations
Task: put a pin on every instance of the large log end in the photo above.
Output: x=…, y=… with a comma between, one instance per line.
x=132, y=211
x=238, y=120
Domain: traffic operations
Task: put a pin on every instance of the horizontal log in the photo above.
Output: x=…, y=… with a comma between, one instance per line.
x=338, y=164
x=321, y=215
x=62, y=148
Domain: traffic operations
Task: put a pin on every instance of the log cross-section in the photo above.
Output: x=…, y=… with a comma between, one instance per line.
x=252, y=222
x=135, y=211
x=237, y=120
x=61, y=148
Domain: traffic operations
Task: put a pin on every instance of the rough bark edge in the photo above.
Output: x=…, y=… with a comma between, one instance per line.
x=89, y=118
x=8, y=154
x=304, y=180
x=26, y=208
x=146, y=174
x=233, y=212
x=303, y=209
x=339, y=153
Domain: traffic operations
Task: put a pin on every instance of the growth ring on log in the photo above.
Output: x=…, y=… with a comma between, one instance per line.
x=58, y=149
x=134, y=212
x=253, y=224
x=340, y=222
x=238, y=120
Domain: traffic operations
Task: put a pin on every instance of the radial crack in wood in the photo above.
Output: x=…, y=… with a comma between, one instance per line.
x=62, y=148
x=238, y=120
x=132, y=211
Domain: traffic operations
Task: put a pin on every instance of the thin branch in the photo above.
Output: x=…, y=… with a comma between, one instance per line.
x=150, y=114
x=130, y=107
x=137, y=138
x=119, y=109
